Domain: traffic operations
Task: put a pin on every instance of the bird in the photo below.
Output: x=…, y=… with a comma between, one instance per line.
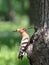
x=27, y=43
x=24, y=42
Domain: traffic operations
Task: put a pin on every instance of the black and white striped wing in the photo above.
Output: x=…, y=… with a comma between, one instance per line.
x=23, y=47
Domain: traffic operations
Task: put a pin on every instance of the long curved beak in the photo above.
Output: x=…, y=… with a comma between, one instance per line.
x=15, y=31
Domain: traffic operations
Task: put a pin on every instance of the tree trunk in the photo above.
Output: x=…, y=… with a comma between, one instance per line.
x=39, y=55
x=34, y=12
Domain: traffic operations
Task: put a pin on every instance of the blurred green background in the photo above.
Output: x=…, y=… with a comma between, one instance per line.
x=13, y=15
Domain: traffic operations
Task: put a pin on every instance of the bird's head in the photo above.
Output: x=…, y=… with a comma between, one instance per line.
x=21, y=30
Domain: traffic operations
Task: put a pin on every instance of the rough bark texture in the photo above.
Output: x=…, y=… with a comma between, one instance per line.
x=39, y=48
x=38, y=54
x=34, y=12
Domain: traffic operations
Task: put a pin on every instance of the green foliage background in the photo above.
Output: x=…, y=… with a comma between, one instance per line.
x=9, y=45
x=10, y=41
x=20, y=6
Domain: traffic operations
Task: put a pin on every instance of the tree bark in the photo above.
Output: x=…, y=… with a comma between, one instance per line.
x=39, y=55
x=34, y=12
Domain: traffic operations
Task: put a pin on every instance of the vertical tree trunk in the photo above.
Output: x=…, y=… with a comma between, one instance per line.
x=34, y=12
x=44, y=13
x=40, y=39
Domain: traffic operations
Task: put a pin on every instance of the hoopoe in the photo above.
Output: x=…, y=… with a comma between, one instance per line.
x=24, y=42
